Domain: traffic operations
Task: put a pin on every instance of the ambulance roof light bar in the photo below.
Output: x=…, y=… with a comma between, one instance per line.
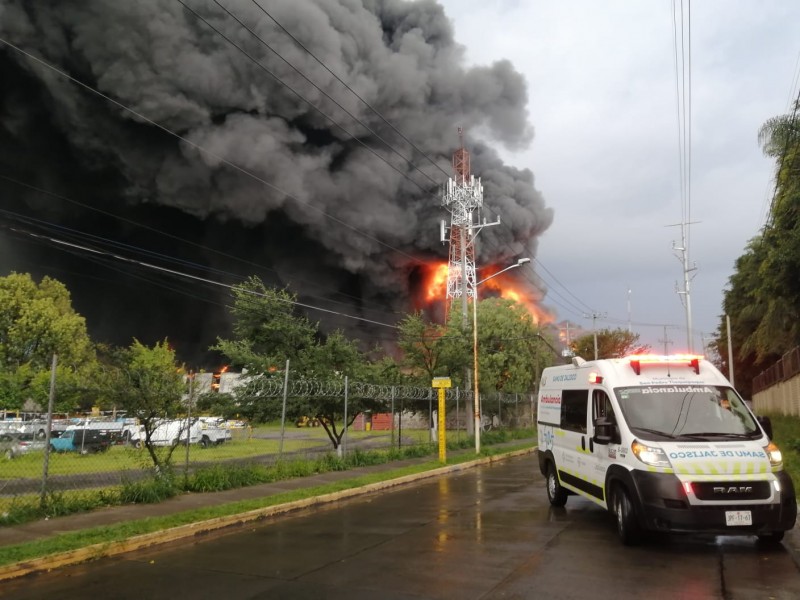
x=637, y=360
x=595, y=377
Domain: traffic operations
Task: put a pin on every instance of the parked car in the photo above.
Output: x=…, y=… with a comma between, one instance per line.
x=122, y=430
x=14, y=444
x=83, y=441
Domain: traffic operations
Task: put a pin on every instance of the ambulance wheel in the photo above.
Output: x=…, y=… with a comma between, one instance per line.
x=555, y=493
x=627, y=526
x=771, y=538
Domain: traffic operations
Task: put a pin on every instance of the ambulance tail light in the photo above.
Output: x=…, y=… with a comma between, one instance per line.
x=775, y=455
x=691, y=360
x=650, y=455
x=687, y=487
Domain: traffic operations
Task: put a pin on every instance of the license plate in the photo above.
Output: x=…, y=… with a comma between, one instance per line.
x=735, y=518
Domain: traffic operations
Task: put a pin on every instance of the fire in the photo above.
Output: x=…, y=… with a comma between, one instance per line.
x=436, y=285
x=434, y=289
x=506, y=286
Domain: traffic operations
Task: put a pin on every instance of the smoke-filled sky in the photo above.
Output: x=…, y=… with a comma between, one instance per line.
x=271, y=176
x=224, y=148
x=602, y=98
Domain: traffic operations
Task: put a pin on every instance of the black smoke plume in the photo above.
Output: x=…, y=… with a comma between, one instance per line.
x=319, y=211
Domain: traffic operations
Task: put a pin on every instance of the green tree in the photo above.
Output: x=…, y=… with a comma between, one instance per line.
x=762, y=298
x=267, y=329
x=778, y=329
x=611, y=343
x=149, y=385
x=322, y=366
x=508, y=346
x=334, y=359
x=384, y=369
x=36, y=321
x=746, y=305
x=426, y=349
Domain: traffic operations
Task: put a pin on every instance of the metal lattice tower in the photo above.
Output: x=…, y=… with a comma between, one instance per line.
x=462, y=196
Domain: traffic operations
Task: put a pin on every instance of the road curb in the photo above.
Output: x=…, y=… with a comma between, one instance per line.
x=156, y=538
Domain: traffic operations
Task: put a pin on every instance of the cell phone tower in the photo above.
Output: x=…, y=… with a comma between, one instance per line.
x=463, y=194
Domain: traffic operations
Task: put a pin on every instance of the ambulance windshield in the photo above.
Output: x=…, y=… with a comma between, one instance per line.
x=686, y=411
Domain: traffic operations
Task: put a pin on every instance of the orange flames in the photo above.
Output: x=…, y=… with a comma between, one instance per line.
x=436, y=282
x=435, y=289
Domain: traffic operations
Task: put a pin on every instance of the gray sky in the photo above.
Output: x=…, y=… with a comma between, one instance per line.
x=602, y=100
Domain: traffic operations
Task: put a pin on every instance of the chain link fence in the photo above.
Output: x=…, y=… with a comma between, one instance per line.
x=59, y=465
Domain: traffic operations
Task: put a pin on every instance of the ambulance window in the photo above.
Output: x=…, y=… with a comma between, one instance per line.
x=574, y=409
x=601, y=407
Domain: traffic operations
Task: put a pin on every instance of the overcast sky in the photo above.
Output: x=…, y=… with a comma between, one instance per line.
x=602, y=99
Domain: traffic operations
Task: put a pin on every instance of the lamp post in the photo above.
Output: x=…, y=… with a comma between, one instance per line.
x=476, y=395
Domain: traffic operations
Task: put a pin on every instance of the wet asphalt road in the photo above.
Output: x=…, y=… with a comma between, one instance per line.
x=483, y=533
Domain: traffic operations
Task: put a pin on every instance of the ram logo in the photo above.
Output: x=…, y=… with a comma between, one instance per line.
x=733, y=489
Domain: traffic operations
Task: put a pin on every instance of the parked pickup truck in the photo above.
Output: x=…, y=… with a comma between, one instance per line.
x=82, y=441
x=213, y=431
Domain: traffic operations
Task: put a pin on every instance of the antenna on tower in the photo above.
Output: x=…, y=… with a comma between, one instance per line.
x=463, y=195
x=461, y=167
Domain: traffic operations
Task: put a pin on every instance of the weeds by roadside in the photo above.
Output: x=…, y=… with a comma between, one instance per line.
x=224, y=477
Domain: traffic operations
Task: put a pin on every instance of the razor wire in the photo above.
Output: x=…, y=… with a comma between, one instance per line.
x=272, y=387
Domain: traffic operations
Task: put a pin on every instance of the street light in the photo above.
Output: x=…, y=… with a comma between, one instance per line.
x=476, y=397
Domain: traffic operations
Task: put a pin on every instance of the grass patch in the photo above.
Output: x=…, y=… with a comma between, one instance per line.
x=787, y=435
x=79, y=539
x=124, y=458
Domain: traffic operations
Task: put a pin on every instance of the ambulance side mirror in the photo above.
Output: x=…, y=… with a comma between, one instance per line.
x=766, y=425
x=606, y=432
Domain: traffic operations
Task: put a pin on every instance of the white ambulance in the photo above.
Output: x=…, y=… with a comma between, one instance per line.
x=665, y=444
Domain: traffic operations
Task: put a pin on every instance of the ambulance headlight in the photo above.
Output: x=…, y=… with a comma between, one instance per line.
x=650, y=455
x=774, y=454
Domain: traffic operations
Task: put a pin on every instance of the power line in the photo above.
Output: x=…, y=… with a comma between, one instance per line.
x=795, y=82
x=307, y=79
x=78, y=236
x=303, y=75
x=683, y=95
x=303, y=98
x=113, y=243
x=367, y=104
x=205, y=150
x=201, y=148
x=93, y=252
x=791, y=132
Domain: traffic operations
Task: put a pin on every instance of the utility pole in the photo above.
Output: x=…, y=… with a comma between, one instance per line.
x=567, y=338
x=629, y=310
x=594, y=316
x=730, y=349
x=666, y=341
x=567, y=351
x=463, y=195
x=685, y=293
